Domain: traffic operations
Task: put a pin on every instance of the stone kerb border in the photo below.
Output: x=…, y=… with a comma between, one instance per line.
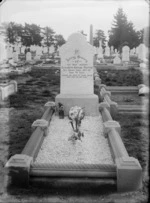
x=97, y=80
x=129, y=171
x=105, y=96
x=18, y=166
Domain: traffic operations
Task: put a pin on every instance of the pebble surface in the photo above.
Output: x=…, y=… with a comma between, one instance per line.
x=57, y=149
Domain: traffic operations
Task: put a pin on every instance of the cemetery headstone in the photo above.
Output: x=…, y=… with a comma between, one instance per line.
x=100, y=51
x=51, y=49
x=107, y=51
x=23, y=49
x=112, y=50
x=125, y=54
x=3, y=51
x=142, y=52
x=17, y=48
x=15, y=56
x=117, y=59
x=28, y=56
x=38, y=53
x=77, y=85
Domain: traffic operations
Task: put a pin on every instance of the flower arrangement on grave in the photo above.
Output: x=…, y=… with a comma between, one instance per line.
x=58, y=109
x=76, y=114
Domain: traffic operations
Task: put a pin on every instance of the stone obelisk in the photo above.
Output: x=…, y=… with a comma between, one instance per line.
x=91, y=35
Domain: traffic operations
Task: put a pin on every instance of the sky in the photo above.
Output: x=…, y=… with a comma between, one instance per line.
x=66, y=17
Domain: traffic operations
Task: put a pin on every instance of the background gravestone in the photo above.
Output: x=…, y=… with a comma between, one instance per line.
x=107, y=51
x=125, y=53
x=15, y=56
x=28, y=56
x=117, y=59
x=77, y=85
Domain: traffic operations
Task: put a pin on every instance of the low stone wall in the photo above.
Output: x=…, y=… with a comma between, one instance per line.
x=105, y=96
x=129, y=171
x=7, y=89
x=19, y=165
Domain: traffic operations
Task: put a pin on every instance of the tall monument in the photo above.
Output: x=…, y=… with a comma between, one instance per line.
x=91, y=35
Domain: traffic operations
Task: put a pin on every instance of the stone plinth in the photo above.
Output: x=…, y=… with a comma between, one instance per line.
x=88, y=101
x=18, y=167
x=129, y=174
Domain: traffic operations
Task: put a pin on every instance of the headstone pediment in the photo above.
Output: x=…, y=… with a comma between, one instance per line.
x=76, y=46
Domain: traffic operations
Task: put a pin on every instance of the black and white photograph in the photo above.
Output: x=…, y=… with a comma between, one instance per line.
x=74, y=101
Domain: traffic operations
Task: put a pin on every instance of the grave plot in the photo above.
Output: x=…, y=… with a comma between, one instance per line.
x=93, y=148
x=97, y=150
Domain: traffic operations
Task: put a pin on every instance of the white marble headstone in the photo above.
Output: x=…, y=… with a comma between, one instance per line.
x=100, y=53
x=28, y=56
x=15, y=56
x=38, y=51
x=142, y=52
x=76, y=66
x=107, y=51
x=51, y=49
x=23, y=49
x=125, y=53
x=112, y=49
x=117, y=59
x=3, y=50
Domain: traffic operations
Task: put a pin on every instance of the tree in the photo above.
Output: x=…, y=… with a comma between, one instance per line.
x=59, y=40
x=99, y=35
x=122, y=31
x=12, y=32
x=48, y=36
x=140, y=34
x=31, y=34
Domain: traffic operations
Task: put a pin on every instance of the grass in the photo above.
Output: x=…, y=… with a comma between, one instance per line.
x=130, y=77
x=127, y=99
x=42, y=85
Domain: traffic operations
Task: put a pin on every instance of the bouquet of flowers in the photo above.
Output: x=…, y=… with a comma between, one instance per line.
x=76, y=114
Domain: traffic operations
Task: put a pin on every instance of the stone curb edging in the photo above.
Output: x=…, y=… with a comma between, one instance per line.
x=105, y=96
x=129, y=171
x=18, y=166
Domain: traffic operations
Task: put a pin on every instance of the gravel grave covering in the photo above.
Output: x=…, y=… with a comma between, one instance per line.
x=92, y=149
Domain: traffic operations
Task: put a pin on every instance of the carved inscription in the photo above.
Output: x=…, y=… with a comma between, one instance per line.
x=77, y=67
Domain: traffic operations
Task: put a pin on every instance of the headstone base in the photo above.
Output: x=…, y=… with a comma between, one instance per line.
x=88, y=101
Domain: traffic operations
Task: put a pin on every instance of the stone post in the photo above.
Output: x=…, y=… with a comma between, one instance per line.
x=18, y=169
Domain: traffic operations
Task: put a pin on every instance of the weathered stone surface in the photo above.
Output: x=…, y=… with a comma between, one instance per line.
x=89, y=102
x=129, y=174
x=76, y=66
x=108, y=125
x=77, y=83
x=18, y=167
x=125, y=54
x=28, y=56
x=43, y=124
